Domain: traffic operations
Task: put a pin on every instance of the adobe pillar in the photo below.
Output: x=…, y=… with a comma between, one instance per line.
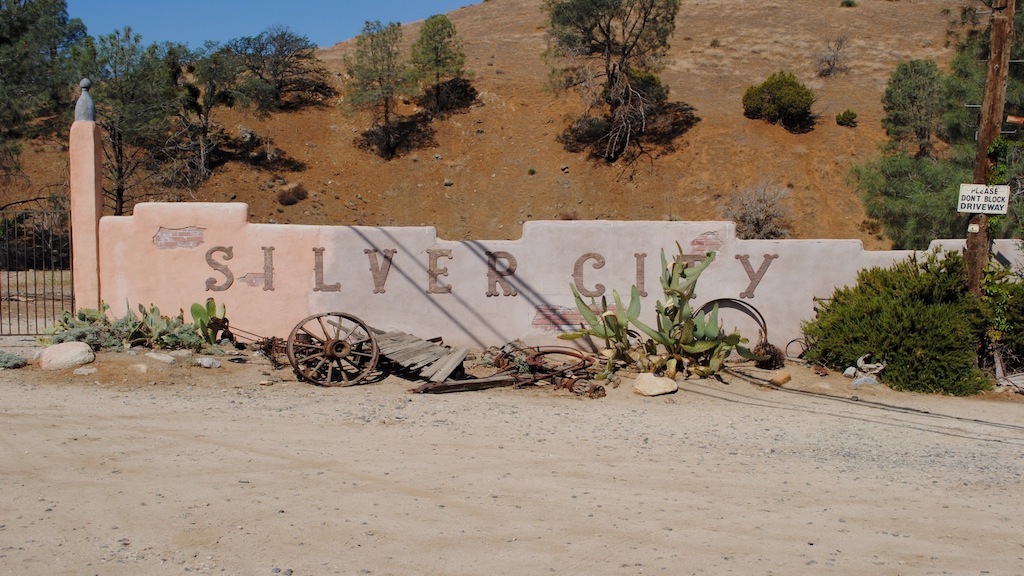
x=86, y=171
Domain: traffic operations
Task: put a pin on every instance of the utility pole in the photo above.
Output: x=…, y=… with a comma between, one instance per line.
x=991, y=125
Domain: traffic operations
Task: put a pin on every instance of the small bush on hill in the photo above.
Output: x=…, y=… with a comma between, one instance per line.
x=759, y=213
x=832, y=61
x=918, y=317
x=847, y=118
x=781, y=99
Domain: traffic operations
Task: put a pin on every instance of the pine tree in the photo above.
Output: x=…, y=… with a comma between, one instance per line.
x=913, y=103
x=377, y=75
x=437, y=56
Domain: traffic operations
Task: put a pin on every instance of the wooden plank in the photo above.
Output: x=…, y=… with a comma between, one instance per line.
x=430, y=349
x=465, y=385
x=407, y=345
x=414, y=352
x=425, y=360
x=398, y=347
x=395, y=338
x=388, y=347
x=432, y=360
x=445, y=366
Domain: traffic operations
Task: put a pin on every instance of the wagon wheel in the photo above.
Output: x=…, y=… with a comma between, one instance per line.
x=332, y=349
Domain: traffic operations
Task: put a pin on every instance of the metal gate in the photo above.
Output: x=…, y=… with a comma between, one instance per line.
x=35, y=270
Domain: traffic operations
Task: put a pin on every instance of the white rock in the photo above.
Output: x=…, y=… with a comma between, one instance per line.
x=139, y=368
x=65, y=355
x=850, y=372
x=86, y=370
x=160, y=357
x=208, y=362
x=865, y=380
x=648, y=384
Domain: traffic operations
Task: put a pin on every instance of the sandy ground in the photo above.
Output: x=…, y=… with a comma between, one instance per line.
x=176, y=469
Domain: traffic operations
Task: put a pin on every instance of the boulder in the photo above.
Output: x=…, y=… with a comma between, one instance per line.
x=781, y=377
x=66, y=355
x=207, y=362
x=160, y=357
x=648, y=384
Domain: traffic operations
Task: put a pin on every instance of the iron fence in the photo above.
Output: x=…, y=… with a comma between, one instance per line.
x=35, y=270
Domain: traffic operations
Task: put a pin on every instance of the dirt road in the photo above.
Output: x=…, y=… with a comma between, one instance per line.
x=176, y=469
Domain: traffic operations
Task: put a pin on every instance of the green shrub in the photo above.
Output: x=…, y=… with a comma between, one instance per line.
x=848, y=3
x=89, y=325
x=1013, y=338
x=781, y=99
x=847, y=118
x=152, y=329
x=917, y=316
x=10, y=361
x=1004, y=308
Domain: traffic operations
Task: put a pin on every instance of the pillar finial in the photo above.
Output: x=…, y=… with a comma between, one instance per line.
x=84, y=108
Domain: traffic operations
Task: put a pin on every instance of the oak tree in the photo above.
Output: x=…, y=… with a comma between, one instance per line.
x=286, y=64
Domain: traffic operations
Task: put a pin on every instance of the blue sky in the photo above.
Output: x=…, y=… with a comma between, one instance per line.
x=324, y=22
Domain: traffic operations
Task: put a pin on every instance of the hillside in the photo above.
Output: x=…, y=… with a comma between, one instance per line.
x=719, y=49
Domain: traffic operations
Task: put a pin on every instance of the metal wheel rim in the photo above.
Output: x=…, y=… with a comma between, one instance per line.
x=332, y=349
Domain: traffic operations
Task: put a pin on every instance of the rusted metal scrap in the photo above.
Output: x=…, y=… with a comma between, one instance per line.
x=525, y=366
x=272, y=347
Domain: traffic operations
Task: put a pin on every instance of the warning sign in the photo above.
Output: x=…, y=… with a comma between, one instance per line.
x=981, y=199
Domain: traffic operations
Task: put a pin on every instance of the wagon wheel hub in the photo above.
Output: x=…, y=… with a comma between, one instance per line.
x=337, y=349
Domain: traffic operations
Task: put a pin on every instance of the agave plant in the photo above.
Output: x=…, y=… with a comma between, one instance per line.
x=675, y=329
x=681, y=338
x=612, y=326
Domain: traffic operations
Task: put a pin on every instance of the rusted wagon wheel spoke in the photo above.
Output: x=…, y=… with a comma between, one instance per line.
x=332, y=349
x=325, y=330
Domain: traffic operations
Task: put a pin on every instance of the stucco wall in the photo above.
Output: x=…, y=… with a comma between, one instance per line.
x=474, y=293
